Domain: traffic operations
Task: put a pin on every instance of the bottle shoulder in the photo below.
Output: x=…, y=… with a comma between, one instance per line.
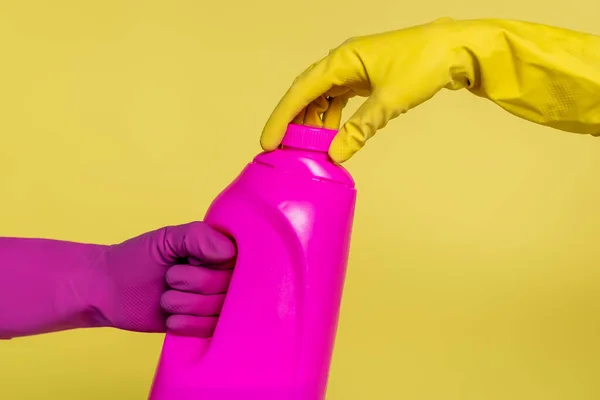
x=306, y=164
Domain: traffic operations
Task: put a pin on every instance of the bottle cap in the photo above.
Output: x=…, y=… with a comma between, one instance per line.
x=308, y=137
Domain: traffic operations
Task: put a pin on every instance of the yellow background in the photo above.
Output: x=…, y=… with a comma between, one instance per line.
x=475, y=265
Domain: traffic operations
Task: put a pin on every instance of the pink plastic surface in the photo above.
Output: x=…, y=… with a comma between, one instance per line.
x=290, y=212
x=308, y=138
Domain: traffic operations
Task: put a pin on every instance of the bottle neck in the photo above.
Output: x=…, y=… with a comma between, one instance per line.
x=316, y=154
x=306, y=137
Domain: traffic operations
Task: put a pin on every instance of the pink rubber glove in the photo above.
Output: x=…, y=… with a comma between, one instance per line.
x=172, y=278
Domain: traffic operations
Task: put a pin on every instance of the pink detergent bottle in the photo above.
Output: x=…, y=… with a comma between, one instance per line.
x=290, y=212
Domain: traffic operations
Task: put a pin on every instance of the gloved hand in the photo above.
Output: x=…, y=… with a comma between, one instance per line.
x=547, y=75
x=172, y=278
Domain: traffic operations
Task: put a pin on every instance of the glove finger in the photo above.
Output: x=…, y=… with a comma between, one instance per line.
x=314, y=111
x=212, y=265
x=338, y=69
x=333, y=115
x=201, y=280
x=299, y=96
x=187, y=325
x=196, y=240
x=337, y=91
x=199, y=305
x=385, y=104
x=371, y=116
x=299, y=119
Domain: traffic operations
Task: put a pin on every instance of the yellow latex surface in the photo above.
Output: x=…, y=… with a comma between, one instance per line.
x=474, y=270
x=544, y=74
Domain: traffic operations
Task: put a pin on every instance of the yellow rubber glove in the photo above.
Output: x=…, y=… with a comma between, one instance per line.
x=547, y=75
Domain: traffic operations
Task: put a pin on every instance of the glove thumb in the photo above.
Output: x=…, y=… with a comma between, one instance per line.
x=371, y=116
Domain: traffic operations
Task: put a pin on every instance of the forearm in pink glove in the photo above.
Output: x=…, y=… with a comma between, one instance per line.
x=172, y=278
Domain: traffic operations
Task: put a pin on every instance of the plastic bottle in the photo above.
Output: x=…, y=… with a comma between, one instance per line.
x=290, y=212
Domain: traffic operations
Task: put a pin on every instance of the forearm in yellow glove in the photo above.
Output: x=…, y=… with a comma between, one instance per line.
x=547, y=75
